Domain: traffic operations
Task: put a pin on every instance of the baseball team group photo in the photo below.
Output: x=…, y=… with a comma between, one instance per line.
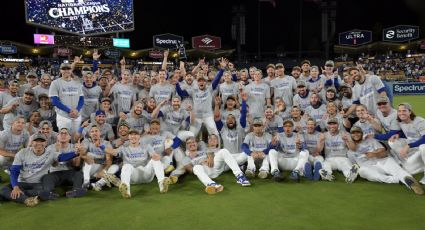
x=303, y=114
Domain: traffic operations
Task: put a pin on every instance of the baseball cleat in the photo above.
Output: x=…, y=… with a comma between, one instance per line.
x=96, y=187
x=163, y=185
x=308, y=171
x=174, y=179
x=214, y=188
x=31, y=201
x=112, y=179
x=295, y=176
x=263, y=174
x=277, y=176
x=413, y=184
x=241, y=179
x=169, y=169
x=422, y=181
x=76, y=193
x=354, y=172
x=326, y=176
x=250, y=173
x=123, y=188
x=45, y=195
x=316, y=171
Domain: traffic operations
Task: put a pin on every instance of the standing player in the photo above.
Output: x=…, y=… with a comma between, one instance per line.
x=68, y=98
x=203, y=99
x=283, y=86
x=258, y=95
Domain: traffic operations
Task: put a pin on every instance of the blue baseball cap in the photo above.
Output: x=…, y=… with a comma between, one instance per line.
x=100, y=112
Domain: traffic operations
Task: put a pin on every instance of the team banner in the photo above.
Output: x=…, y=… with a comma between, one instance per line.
x=8, y=49
x=409, y=88
x=401, y=33
x=113, y=53
x=82, y=17
x=167, y=41
x=355, y=37
x=207, y=42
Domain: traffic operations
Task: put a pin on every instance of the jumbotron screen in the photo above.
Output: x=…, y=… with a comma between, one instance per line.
x=82, y=17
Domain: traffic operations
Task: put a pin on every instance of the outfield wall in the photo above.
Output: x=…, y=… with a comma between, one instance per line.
x=407, y=88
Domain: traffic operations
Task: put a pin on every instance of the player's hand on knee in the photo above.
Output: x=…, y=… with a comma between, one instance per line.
x=16, y=193
x=261, y=155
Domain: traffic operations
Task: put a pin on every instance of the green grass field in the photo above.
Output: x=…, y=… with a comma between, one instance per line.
x=265, y=205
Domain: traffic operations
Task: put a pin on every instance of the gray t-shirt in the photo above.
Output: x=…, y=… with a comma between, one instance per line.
x=389, y=122
x=257, y=95
x=69, y=93
x=135, y=156
x=311, y=140
x=367, y=93
x=162, y=92
x=33, y=167
x=228, y=90
x=96, y=153
x=61, y=166
x=365, y=146
x=123, y=97
x=316, y=113
x=202, y=101
x=288, y=144
x=91, y=101
x=12, y=142
x=257, y=143
x=335, y=146
x=174, y=120
x=302, y=102
x=232, y=139
x=272, y=126
x=284, y=87
x=156, y=141
x=40, y=90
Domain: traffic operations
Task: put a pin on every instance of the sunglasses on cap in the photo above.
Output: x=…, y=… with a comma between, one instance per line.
x=65, y=68
x=382, y=103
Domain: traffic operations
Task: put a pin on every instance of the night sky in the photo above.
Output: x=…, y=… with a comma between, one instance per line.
x=279, y=26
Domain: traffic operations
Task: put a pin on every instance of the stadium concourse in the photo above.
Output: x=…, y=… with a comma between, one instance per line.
x=85, y=129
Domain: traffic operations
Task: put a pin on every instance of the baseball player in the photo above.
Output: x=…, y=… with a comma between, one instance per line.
x=316, y=110
x=68, y=98
x=162, y=91
x=12, y=140
x=409, y=151
x=202, y=98
x=20, y=106
x=64, y=173
x=302, y=98
x=281, y=110
x=315, y=142
x=141, y=164
x=273, y=123
x=174, y=117
x=97, y=164
x=92, y=93
x=258, y=95
x=283, y=85
x=376, y=165
x=336, y=154
x=211, y=163
x=29, y=166
x=366, y=90
x=6, y=96
x=106, y=131
x=43, y=87
x=366, y=122
x=257, y=146
x=289, y=152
